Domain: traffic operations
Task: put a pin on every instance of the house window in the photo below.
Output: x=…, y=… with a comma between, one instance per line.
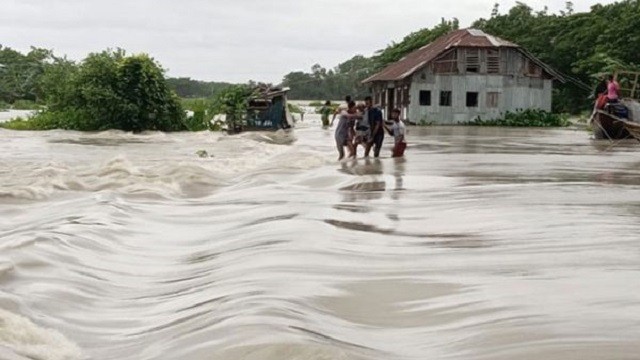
x=472, y=99
x=425, y=98
x=492, y=99
x=472, y=60
x=447, y=63
x=493, y=61
x=445, y=98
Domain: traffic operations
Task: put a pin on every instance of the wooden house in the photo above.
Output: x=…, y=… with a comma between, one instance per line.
x=462, y=75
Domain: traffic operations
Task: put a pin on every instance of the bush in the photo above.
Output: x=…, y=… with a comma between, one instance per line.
x=525, y=118
x=294, y=109
x=108, y=90
x=200, y=120
x=18, y=124
x=25, y=105
x=232, y=102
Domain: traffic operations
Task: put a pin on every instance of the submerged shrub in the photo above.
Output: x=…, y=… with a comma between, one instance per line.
x=525, y=118
x=108, y=90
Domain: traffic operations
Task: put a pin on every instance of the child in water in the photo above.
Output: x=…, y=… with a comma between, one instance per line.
x=398, y=131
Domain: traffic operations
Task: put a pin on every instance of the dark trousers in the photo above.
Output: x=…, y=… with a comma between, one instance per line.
x=377, y=143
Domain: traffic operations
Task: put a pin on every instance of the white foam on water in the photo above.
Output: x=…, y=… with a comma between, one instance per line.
x=27, y=339
x=152, y=163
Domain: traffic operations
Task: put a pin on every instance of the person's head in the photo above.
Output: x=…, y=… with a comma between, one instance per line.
x=368, y=101
x=395, y=114
x=610, y=77
x=351, y=107
x=347, y=99
x=328, y=103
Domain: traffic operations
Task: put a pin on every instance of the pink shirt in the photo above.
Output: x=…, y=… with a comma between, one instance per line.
x=612, y=90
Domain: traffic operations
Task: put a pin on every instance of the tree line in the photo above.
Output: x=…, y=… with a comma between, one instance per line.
x=106, y=90
x=579, y=45
x=130, y=92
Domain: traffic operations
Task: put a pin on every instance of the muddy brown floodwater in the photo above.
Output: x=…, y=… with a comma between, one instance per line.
x=483, y=243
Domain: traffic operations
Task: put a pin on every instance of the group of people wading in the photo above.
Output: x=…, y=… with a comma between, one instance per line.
x=363, y=124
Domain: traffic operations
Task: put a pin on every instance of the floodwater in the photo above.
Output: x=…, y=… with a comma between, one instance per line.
x=483, y=243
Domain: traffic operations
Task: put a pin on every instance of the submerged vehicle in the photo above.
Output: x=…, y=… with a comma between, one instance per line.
x=620, y=120
x=267, y=110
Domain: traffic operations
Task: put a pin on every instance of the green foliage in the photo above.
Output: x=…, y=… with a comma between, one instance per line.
x=295, y=109
x=232, y=102
x=413, y=41
x=201, y=119
x=525, y=118
x=578, y=45
x=320, y=83
x=188, y=88
x=108, y=90
x=25, y=105
x=3, y=105
x=20, y=74
x=346, y=78
x=18, y=124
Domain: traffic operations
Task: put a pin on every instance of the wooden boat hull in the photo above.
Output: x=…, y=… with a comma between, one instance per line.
x=633, y=128
x=609, y=126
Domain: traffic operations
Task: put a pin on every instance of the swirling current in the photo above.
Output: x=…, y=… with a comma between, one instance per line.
x=482, y=243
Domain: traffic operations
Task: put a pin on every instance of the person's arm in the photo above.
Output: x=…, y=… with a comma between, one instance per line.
x=335, y=113
x=389, y=130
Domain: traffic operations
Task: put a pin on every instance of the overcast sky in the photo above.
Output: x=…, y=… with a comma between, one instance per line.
x=235, y=40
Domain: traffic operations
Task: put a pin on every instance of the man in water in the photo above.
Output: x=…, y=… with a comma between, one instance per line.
x=397, y=131
x=344, y=130
x=376, y=127
x=324, y=112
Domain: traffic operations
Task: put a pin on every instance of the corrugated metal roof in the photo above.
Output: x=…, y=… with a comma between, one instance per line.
x=459, y=38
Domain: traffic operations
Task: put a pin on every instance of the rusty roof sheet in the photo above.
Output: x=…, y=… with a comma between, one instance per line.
x=459, y=38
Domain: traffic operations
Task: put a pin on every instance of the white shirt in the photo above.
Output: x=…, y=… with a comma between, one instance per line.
x=399, y=130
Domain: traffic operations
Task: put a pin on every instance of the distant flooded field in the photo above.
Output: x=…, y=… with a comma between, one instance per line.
x=11, y=114
x=482, y=243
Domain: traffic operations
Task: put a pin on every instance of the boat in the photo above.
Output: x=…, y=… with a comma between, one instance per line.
x=633, y=128
x=607, y=125
x=267, y=110
x=620, y=120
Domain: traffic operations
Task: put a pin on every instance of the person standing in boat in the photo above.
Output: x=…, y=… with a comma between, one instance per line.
x=613, y=90
x=376, y=127
x=325, y=111
x=344, y=130
x=600, y=97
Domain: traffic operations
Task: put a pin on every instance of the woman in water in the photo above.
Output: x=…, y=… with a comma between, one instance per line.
x=344, y=131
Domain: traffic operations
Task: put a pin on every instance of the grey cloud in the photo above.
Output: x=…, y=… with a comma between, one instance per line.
x=233, y=40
